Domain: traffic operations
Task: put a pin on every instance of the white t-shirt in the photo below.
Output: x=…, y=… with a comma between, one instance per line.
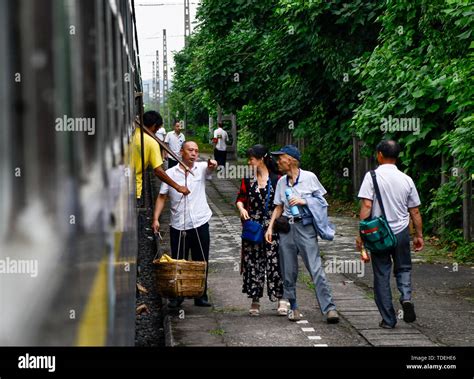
x=398, y=193
x=304, y=186
x=222, y=138
x=175, y=142
x=161, y=134
x=197, y=208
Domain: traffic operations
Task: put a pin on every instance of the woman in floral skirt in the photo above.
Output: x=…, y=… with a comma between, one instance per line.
x=260, y=261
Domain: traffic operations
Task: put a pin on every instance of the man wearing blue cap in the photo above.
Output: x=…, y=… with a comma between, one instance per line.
x=301, y=238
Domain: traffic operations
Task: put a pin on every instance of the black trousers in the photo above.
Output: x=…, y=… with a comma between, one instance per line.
x=220, y=156
x=190, y=242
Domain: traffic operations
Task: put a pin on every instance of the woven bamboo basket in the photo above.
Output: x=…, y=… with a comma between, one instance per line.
x=180, y=278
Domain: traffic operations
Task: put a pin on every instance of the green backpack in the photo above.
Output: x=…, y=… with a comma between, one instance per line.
x=375, y=231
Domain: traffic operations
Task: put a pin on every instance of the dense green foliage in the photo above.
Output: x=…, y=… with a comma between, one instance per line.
x=423, y=69
x=328, y=71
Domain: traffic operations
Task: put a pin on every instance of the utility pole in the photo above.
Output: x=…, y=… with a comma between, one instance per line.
x=187, y=22
x=187, y=34
x=165, y=75
x=157, y=79
x=153, y=84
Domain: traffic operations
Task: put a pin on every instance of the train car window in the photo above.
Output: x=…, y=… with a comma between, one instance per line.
x=130, y=84
x=111, y=68
x=73, y=40
x=122, y=88
x=129, y=98
x=102, y=86
x=16, y=106
x=89, y=61
x=6, y=171
x=37, y=107
x=126, y=60
x=119, y=76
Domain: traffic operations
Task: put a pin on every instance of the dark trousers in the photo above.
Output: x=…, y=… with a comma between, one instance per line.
x=172, y=162
x=191, y=242
x=382, y=265
x=220, y=156
x=140, y=216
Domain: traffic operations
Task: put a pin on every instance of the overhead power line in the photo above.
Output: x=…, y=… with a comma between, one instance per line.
x=161, y=4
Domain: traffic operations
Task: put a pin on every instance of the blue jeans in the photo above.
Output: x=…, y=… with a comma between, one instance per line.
x=382, y=265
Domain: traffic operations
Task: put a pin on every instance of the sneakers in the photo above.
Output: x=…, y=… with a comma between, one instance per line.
x=202, y=302
x=332, y=317
x=294, y=315
x=175, y=302
x=384, y=325
x=408, y=311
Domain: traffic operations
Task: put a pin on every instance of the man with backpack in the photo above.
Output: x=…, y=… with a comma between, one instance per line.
x=400, y=201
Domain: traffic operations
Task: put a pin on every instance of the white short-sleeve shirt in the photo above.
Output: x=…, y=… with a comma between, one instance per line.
x=304, y=186
x=222, y=138
x=198, y=211
x=175, y=142
x=398, y=194
x=161, y=134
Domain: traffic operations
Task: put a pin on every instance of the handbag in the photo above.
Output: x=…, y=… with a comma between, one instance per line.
x=375, y=232
x=281, y=225
x=252, y=231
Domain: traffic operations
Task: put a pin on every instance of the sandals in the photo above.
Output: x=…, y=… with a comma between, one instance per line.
x=282, y=308
x=255, y=309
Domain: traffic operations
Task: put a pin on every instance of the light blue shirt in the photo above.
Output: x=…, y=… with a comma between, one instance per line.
x=306, y=185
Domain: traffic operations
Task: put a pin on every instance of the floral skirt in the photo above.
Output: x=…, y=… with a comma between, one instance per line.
x=260, y=262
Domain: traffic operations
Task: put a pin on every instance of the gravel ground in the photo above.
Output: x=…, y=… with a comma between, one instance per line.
x=149, y=322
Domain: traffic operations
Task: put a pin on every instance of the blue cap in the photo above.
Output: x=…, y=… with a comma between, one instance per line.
x=291, y=150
